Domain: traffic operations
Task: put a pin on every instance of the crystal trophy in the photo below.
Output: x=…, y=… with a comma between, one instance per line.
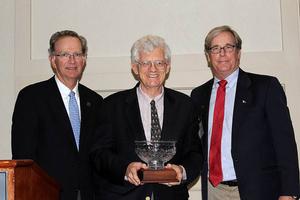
x=156, y=154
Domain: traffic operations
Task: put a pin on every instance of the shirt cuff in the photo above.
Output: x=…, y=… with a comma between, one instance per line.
x=184, y=177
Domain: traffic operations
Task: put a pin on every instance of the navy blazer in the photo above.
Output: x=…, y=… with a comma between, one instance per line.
x=41, y=130
x=115, y=148
x=263, y=148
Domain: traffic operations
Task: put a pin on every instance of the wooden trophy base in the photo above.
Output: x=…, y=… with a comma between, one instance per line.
x=157, y=176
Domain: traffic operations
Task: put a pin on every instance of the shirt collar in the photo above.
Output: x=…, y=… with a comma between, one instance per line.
x=64, y=90
x=147, y=98
x=231, y=79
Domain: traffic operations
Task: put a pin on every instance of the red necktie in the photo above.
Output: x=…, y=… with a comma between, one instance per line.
x=215, y=165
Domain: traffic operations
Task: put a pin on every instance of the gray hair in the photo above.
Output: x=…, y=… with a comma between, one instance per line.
x=147, y=44
x=67, y=33
x=220, y=29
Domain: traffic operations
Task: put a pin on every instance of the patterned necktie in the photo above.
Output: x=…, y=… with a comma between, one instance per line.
x=215, y=165
x=74, y=117
x=155, y=126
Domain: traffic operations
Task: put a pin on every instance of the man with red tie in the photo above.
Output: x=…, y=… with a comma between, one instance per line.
x=248, y=138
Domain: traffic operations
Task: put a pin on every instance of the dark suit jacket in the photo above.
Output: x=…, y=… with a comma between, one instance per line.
x=41, y=131
x=115, y=147
x=263, y=148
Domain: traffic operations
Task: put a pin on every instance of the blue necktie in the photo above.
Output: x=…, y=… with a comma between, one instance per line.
x=74, y=117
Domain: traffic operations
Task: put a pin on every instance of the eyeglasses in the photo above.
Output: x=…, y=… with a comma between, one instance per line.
x=66, y=55
x=159, y=64
x=217, y=49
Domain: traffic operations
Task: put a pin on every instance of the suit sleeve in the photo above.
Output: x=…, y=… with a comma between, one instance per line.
x=193, y=156
x=24, y=127
x=282, y=133
x=103, y=153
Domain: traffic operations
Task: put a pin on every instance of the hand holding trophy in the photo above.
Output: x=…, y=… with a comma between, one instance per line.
x=156, y=154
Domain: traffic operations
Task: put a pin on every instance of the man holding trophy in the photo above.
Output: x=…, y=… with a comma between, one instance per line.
x=147, y=124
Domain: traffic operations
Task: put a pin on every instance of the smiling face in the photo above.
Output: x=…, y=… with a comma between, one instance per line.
x=223, y=63
x=151, y=76
x=68, y=69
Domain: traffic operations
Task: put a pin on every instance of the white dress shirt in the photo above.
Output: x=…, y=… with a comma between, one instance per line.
x=145, y=110
x=65, y=91
x=226, y=158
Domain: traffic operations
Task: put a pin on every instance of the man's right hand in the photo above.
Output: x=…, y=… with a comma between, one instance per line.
x=131, y=172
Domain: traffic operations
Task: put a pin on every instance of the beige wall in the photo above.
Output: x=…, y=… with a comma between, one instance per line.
x=269, y=28
x=7, y=76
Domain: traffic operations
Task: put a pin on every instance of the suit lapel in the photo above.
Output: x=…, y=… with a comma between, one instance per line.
x=169, y=114
x=85, y=104
x=133, y=116
x=243, y=101
x=204, y=107
x=59, y=111
x=204, y=111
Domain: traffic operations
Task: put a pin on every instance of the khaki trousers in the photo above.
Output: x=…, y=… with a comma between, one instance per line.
x=222, y=192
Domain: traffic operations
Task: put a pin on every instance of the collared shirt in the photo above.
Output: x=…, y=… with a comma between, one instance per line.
x=226, y=158
x=145, y=109
x=65, y=91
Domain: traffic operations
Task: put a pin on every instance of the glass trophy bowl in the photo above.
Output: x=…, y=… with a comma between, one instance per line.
x=155, y=153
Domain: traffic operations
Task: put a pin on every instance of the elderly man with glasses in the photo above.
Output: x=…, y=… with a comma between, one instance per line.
x=127, y=118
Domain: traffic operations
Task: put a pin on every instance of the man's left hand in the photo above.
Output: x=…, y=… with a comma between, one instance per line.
x=178, y=169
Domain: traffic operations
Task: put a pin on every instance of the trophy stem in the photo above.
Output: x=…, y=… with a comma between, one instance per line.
x=156, y=164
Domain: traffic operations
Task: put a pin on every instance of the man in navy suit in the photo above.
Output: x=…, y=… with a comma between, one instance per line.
x=258, y=153
x=41, y=128
x=127, y=117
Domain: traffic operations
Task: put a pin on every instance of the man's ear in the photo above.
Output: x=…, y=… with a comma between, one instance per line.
x=168, y=68
x=134, y=69
x=207, y=57
x=50, y=57
x=239, y=54
x=52, y=63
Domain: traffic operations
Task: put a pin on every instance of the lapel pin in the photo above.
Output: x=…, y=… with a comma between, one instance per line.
x=243, y=101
